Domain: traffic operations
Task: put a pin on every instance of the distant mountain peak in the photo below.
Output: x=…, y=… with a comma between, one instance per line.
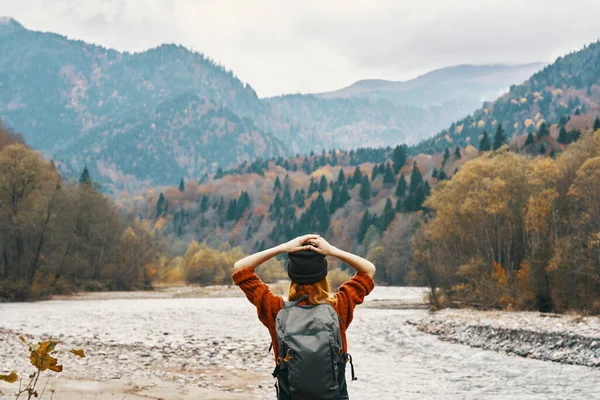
x=10, y=22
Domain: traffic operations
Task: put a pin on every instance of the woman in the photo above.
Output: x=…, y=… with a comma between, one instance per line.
x=309, y=287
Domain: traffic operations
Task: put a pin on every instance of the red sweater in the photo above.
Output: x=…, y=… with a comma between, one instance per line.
x=268, y=305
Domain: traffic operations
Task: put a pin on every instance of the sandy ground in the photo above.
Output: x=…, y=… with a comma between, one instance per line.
x=74, y=389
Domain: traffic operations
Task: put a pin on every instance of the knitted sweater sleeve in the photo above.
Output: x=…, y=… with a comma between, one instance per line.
x=352, y=293
x=258, y=293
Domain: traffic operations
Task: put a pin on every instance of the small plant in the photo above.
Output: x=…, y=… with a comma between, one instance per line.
x=42, y=358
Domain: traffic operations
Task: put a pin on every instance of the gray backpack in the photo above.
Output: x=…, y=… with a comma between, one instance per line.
x=311, y=363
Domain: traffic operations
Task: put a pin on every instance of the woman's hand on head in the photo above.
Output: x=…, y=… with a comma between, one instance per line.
x=321, y=246
x=299, y=243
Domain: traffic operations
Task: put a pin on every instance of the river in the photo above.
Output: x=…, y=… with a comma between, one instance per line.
x=392, y=359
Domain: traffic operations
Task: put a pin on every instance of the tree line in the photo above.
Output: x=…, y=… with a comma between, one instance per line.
x=514, y=231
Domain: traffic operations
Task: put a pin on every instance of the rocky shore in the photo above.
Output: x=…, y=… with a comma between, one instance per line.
x=565, y=339
x=224, y=364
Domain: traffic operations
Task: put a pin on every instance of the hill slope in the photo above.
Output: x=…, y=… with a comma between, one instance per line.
x=569, y=86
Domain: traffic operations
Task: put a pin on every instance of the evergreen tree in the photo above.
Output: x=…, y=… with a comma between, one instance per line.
x=563, y=136
x=315, y=164
x=181, y=185
x=457, y=154
x=242, y=205
x=399, y=205
x=85, y=179
x=160, y=205
x=365, y=222
x=399, y=157
x=543, y=131
x=499, y=138
x=357, y=178
x=306, y=166
x=277, y=184
x=204, y=203
x=530, y=139
x=552, y=153
x=322, y=184
x=321, y=214
x=374, y=172
x=230, y=214
x=442, y=175
x=401, y=186
x=286, y=165
x=597, y=123
x=219, y=173
x=389, y=179
x=300, y=198
x=287, y=194
x=341, y=179
x=334, y=160
x=434, y=174
x=446, y=156
x=484, y=143
x=415, y=178
x=312, y=186
x=563, y=121
x=387, y=216
x=365, y=190
x=542, y=149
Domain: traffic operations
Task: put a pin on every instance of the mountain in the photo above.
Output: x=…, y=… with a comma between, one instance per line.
x=568, y=89
x=381, y=113
x=180, y=137
x=156, y=116
x=457, y=84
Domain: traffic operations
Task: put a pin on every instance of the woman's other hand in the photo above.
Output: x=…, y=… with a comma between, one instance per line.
x=299, y=243
x=321, y=246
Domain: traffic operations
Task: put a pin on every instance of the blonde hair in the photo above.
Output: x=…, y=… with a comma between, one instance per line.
x=318, y=292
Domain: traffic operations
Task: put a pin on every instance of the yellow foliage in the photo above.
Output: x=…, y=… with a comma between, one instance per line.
x=160, y=224
x=10, y=378
x=528, y=122
x=78, y=352
x=500, y=274
x=337, y=277
x=41, y=358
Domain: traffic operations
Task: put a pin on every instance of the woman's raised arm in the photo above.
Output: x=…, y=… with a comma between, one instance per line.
x=254, y=260
x=360, y=264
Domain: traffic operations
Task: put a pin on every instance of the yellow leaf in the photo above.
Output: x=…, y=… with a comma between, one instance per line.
x=10, y=378
x=78, y=352
x=41, y=358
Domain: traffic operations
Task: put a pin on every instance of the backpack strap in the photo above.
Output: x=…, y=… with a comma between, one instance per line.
x=288, y=304
x=349, y=359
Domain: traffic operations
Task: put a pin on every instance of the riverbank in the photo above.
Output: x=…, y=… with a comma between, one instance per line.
x=215, y=348
x=567, y=339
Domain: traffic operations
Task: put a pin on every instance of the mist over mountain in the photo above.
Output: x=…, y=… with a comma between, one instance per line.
x=149, y=118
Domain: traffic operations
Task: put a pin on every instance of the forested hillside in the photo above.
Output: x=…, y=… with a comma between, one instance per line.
x=570, y=86
x=153, y=117
x=360, y=199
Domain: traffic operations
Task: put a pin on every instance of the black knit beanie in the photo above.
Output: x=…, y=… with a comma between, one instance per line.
x=306, y=267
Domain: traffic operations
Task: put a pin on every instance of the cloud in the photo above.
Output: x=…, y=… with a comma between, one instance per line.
x=313, y=46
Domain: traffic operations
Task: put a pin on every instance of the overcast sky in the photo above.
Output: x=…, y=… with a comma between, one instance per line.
x=289, y=46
